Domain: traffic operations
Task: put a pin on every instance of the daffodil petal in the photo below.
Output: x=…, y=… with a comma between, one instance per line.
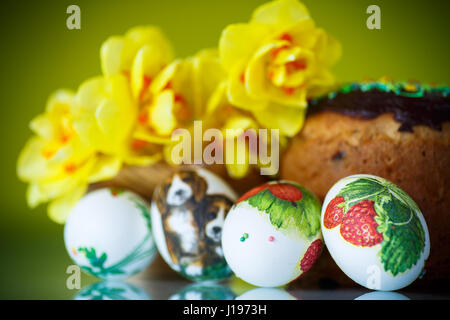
x=258, y=84
x=143, y=134
x=207, y=73
x=322, y=82
x=59, y=99
x=239, y=41
x=143, y=160
x=328, y=49
x=31, y=164
x=60, y=208
x=287, y=119
x=256, y=73
x=238, y=95
x=162, y=117
x=106, y=167
x=114, y=120
x=111, y=55
x=280, y=12
x=165, y=76
x=240, y=122
x=240, y=166
x=35, y=196
x=42, y=125
x=217, y=99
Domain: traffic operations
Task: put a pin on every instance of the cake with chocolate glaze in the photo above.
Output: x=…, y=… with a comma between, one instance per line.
x=398, y=131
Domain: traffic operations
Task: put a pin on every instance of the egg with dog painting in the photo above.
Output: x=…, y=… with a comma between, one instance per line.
x=272, y=234
x=188, y=211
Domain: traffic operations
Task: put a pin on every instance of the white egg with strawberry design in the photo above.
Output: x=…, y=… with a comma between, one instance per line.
x=375, y=232
x=271, y=235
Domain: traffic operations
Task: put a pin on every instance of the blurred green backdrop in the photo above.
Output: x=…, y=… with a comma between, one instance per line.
x=39, y=54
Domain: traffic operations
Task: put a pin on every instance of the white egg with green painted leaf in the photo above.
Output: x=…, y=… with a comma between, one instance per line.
x=109, y=234
x=271, y=236
x=375, y=232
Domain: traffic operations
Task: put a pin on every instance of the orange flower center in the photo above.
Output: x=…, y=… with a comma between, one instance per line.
x=70, y=168
x=138, y=144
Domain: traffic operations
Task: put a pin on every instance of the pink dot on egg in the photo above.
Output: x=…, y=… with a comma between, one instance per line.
x=271, y=238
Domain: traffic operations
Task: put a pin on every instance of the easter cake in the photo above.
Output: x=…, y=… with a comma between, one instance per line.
x=399, y=131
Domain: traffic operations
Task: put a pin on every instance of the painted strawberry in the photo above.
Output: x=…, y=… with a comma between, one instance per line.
x=311, y=255
x=359, y=226
x=252, y=192
x=282, y=191
x=289, y=206
x=286, y=191
x=334, y=212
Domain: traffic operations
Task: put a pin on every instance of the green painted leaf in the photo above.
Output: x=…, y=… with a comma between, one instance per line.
x=404, y=237
x=302, y=215
x=403, y=234
x=360, y=189
x=144, y=211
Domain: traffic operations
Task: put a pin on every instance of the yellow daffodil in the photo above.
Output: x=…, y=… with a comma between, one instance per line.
x=276, y=62
x=105, y=115
x=140, y=55
x=56, y=163
x=179, y=95
x=107, y=108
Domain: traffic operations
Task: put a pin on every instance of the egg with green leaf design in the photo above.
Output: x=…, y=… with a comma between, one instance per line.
x=272, y=235
x=375, y=232
x=109, y=234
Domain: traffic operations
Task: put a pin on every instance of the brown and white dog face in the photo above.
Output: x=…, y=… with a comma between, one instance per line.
x=216, y=208
x=184, y=186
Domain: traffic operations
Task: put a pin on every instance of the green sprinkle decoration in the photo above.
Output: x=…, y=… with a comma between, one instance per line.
x=244, y=236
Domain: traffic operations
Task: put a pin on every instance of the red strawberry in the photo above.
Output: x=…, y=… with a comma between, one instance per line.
x=333, y=214
x=311, y=255
x=282, y=191
x=252, y=192
x=359, y=226
x=285, y=191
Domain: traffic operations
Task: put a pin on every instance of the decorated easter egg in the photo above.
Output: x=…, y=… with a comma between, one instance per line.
x=108, y=234
x=111, y=290
x=375, y=232
x=272, y=234
x=188, y=211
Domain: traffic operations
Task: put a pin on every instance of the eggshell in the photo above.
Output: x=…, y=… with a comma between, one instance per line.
x=108, y=234
x=111, y=290
x=382, y=295
x=375, y=232
x=266, y=294
x=272, y=234
x=204, y=291
x=188, y=211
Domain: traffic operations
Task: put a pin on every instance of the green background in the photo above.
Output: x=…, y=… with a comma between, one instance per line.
x=39, y=54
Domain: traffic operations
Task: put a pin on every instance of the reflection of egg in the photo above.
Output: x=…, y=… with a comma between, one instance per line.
x=188, y=211
x=111, y=290
x=375, y=232
x=266, y=294
x=204, y=291
x=382, y=295
x=108, y=234
x=272, y=234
